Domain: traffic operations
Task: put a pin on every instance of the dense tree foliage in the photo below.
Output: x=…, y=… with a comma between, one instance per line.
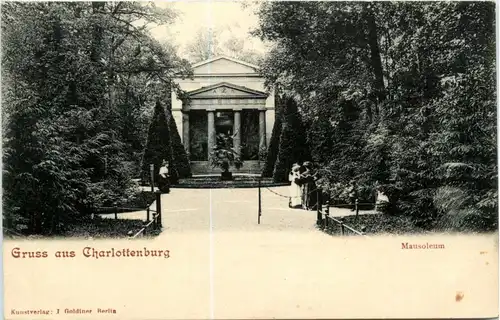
x=180, y=161
x=402, y=93
x=79, y=80
x=227, y=41
x=292, y=142
x=158, y=144
x=274, y=143
x=164, y=143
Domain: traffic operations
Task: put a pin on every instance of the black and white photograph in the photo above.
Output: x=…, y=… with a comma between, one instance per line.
x=284, y=150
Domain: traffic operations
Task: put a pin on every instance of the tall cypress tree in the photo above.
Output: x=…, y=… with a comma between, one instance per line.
x=272, y=151
x=180, y=161
x=293, y=145
x=158, y=143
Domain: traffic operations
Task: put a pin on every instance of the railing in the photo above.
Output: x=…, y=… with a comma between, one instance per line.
x=336, y=226
x=116, y=210
x=156, y=222
x=333, y=225
x=153, y=217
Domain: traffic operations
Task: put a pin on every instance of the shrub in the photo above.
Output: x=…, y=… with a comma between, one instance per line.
x=273, y=148
x=292, y=145
x=158, y=143
x=180, y=162
x=224, y=155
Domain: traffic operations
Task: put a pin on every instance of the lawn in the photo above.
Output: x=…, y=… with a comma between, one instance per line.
x=97, y=228
x=381, y=223
x=400, y=224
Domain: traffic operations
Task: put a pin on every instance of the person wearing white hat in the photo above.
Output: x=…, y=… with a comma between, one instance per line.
x=295, y=190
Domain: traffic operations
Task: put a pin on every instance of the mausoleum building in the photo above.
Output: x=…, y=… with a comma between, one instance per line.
x=225, y=96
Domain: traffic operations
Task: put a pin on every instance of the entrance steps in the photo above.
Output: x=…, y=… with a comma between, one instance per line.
x=214, y=181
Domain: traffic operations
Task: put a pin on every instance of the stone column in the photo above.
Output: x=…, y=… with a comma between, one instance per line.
x=177, y=107
x=185, y=132
x=237, y=131
x=211, y=131
x=270, y=114
x=262, y=130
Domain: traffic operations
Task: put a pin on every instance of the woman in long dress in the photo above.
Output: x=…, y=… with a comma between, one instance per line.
x=164, y=182
x=381, y=200
x=295, y=190
x=309, y=195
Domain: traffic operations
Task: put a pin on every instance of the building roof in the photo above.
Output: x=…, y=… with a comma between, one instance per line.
x=238, y=89
x=201, y=63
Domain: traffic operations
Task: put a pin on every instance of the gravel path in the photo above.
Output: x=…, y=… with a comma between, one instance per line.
x=224, y=210
x=236, y=260
x=223, y=265
x=234, y=209
x=226, y=266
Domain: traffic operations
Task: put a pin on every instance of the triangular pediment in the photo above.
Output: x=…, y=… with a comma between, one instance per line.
x=224, y=65
x=226, y=90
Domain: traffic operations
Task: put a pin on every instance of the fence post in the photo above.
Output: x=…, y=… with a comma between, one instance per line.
x=260, y=204
x=327, y=211
x=363, y=230
x=341, y=226
x=147, y=214
x=158, y=208
x=152, y=172
x=356, y=206
x=326, y=222
x=116, y=212
x=319, y=206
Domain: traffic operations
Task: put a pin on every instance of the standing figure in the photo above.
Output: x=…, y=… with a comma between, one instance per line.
x=353, y=194
x=173, y=175
x=164, y=181
x=300, y=182
x=309, y=186
x=304, y=175
x=381, y=200
x=295, y=188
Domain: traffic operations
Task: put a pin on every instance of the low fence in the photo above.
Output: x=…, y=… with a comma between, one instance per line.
x=331, y=225
x=116, y=210
x=156, y=220
x=154, y=223
x=328, y=224
x=153, y=217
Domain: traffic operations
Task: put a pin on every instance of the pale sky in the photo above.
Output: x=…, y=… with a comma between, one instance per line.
x=193, y=15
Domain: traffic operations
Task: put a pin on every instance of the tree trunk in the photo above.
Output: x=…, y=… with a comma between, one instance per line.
x=111, y=77
x=375, y=57
x=97, y=33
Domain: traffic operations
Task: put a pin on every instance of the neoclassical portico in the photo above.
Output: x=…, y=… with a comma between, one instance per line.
x=226, y=96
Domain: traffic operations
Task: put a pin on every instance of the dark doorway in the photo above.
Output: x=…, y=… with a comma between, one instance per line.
x=250, y=134
x=198, y=135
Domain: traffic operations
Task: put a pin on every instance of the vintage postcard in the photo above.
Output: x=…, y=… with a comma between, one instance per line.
x=249, y=160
